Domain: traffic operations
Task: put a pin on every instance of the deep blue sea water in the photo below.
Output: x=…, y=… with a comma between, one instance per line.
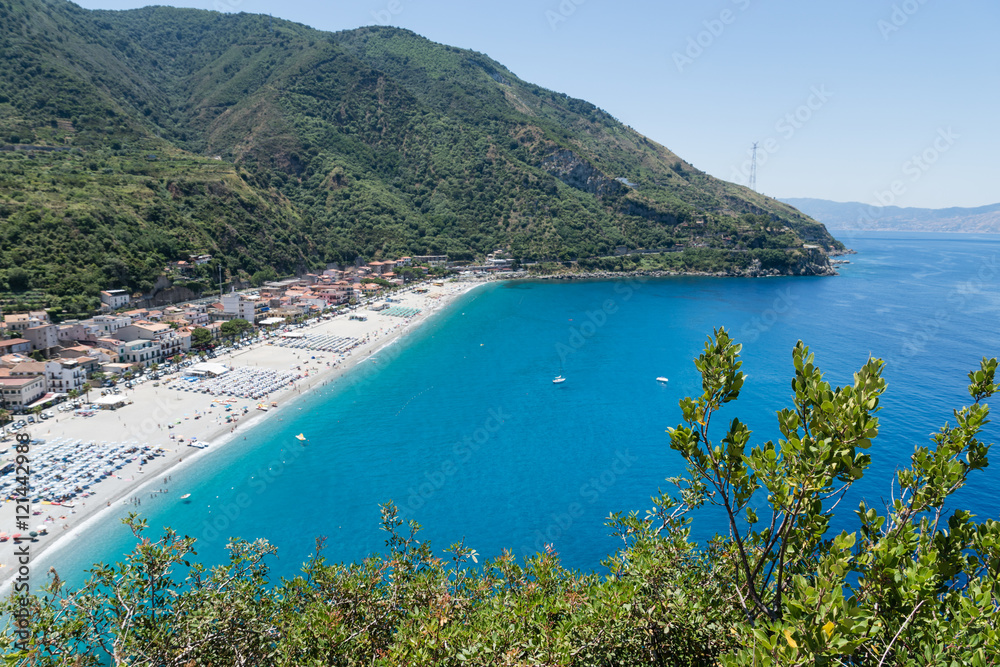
x=463, y=428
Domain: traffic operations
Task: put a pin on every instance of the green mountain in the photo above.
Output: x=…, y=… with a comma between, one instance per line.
x=161, y=132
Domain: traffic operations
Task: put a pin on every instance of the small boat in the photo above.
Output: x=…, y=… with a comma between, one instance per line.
x=301, y=436
x=559, y=379
x=662, y=379
x=185, y=496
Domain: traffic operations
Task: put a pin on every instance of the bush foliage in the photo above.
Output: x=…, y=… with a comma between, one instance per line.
x=916, y=583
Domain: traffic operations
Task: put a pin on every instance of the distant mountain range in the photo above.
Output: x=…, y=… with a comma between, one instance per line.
x=857, y=216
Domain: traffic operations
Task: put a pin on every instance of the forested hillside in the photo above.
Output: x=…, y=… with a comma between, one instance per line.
x=365, y=144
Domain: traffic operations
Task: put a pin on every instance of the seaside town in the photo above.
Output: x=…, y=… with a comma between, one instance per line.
x=115, y=402
x=43, y=363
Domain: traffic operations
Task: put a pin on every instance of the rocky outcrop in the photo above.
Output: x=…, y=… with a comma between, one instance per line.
x=807, y=267
x=643, y=210
x=171, y=295
x=577, y=173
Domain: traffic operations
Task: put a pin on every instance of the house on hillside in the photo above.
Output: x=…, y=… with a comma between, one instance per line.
x=113, y=299
x=21, y=322
x=43, y=337
x=74, y=351
x=182, y=267
x=72, y=331
x=15, y=346
x=103, y=355
x=113, y=345
x=135, y=314
x=30, y=368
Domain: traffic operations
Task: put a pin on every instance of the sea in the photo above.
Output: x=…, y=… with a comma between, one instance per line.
x=461, y=427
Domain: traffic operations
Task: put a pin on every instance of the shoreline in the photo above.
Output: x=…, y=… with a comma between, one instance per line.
x=155, y=406
x=625, y=275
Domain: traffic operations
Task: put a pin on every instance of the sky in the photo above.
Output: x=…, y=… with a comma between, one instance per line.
x=890, y=102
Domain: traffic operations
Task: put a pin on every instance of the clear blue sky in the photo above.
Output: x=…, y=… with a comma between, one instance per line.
x=887, y=80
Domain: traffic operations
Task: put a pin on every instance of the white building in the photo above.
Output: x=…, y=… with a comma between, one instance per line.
x=108, y=325
x=174, y=343
x=64, y=375
x=19, y=392
x=115, y=298
x=499, y=259
x=245, y=306
x=141, y=352
x=144, y=330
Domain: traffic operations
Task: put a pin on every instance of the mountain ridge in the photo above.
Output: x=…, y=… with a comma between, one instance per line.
x=862, y=217
x=367, y=143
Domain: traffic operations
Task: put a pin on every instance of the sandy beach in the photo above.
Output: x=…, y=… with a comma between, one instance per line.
x=179, y=422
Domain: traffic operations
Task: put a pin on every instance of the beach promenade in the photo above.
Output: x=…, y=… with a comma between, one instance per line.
x=181, y=425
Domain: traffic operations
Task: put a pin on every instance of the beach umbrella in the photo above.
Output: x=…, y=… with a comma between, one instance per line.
x=33, y=534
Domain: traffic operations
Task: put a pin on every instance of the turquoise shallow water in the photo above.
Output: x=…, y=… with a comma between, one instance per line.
x=462, y=427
